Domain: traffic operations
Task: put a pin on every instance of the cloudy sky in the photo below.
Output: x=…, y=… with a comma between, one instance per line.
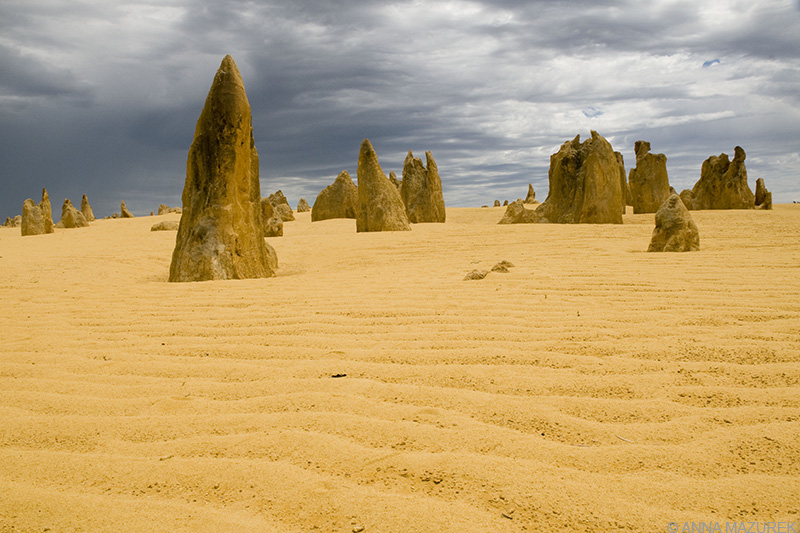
x=101, y=96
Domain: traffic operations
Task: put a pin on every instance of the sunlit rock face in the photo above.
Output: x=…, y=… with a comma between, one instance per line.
x=722, y=184
x=221, y=233
x=585, y=185
x=379, y=207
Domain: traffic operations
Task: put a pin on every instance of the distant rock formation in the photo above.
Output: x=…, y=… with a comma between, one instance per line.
x=623, y=181
x=393, y=178
x=164, y=209
x=165, y=225
x=585, y=185
x=337, y=200
x=273, y=224
x=86, y=209
x=281, y=206
x=221, y=233
x=302, y=206
x=496, y=203
x=421, y=190
x=517, y=214
x=763, y=196
x=649, y=184
x=13, y=222
x=675, y=230
x=531, y=198
x=380, y=207
x=722, y=184
x=32, y=222
x=71, y=217
x=47, y=212
x=123, y=211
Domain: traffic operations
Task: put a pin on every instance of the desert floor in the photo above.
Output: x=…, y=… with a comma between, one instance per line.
x=595, y=387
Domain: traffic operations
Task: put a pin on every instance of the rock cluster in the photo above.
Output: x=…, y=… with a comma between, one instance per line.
x=585, y=186
x=302, y=206
x=86, y=209
x=675, y=230
x=648, y=181
x=379, y=207
x=763, y=198
x=13, y=222
x=281, y=206
x=221, y=233
x=421, y=190
x=71, y=217
x=337, y=200
x=123, y=211
x=722, y=184
x=164, y=209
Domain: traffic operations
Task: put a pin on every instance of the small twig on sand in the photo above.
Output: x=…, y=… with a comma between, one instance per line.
x=626, y=440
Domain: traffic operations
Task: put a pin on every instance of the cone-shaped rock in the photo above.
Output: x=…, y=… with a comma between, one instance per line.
x=585, y=184
x=124, y=212
x=675, y=230
x=32, y=219
x=302, y=206
x=71, y=217
x=380, y=207
x=273, y=224
x=763, y=196
x=722, y=184
x=86, y=209
x=648, y=180
x=47, y=212
x=531, y=197
x=221, y=233
x=421, y=190
x=337, y=200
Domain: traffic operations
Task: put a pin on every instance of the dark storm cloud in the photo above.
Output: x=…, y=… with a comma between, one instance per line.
x=103, y=97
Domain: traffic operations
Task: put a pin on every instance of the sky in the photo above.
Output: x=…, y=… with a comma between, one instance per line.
x=101, y=97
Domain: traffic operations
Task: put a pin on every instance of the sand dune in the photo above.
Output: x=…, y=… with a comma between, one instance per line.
x=595, y=387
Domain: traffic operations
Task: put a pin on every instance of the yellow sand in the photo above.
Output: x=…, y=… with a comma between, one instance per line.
x=595, y=387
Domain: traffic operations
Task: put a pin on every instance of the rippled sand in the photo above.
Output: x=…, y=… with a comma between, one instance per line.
x=595, y=387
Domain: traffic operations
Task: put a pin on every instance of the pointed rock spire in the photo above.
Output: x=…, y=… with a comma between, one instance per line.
x=86, y=209
x=221, y=234
x=380, y=207
x=421, y=190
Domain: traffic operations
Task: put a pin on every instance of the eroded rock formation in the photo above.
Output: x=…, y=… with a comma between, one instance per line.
x=516, y=213
x=648, y=181
x=393, y=178
x=86, y=209
x=675, y=230
x=281, y=206
x=47, y=212
x=123, y=211
x=379, y=207
x=763, y=198
x=722, y=184
x=531, y=197
x=164, y=209
x=421, y=190
x=337, y=200
x=165, y=225
x=71, y=217
x=302, y=206
x=273, y=224
x=32, y=222
x=221, y=233
x=585, y=185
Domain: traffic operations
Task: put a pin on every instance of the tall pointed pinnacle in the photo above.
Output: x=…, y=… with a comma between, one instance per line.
x=221, y=235
x=380, y=207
